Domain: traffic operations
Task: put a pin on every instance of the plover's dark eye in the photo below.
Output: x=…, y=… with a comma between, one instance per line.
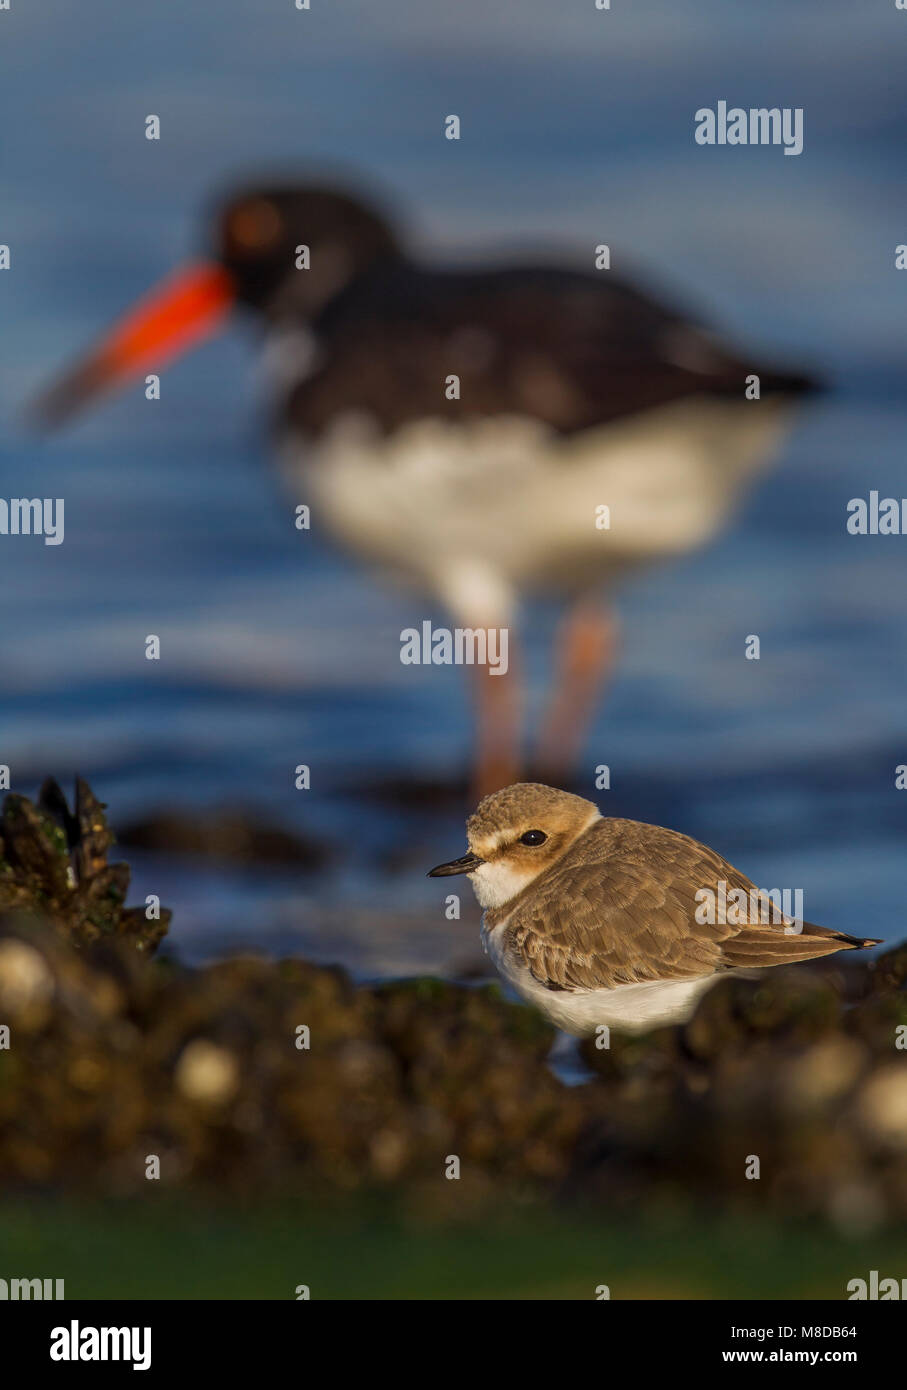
x=533, y=837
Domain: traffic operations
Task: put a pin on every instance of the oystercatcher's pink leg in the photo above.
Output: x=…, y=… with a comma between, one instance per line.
x=585, y=651
x=499, y=711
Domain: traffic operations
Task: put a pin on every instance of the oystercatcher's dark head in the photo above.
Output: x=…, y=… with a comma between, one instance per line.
x=281, y=251
x=264, y=237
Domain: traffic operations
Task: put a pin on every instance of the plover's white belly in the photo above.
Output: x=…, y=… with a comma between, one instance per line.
x=438, y=501
x=626, y=1008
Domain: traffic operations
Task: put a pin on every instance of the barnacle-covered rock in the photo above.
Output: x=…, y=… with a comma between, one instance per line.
x=53, y=862
x=793, y=1005
x=229, y=834
x=781, y=1095
x=478, y=1064
x=889, y=970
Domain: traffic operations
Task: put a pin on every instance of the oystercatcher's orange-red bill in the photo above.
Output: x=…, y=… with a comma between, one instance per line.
x=184, y=309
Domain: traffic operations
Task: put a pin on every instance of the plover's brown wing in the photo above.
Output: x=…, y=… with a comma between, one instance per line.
x=621, y=908
x=569, y=349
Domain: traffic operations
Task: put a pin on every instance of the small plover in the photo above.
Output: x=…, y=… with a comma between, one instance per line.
x=599, y=921
x=480, y=434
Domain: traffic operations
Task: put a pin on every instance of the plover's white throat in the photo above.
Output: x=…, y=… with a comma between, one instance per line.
x=598, y=921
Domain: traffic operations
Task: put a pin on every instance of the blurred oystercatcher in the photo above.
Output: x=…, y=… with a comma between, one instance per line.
x=483, y=434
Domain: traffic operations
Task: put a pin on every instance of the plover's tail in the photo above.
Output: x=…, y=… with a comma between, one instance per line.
x=755, y=947
x=844, y=942
x=773, y=382
x=781, y=383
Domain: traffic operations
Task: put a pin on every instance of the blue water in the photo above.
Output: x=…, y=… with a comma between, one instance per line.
x=277, y=650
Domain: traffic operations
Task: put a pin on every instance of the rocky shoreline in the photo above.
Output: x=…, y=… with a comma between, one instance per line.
x=118, y=1069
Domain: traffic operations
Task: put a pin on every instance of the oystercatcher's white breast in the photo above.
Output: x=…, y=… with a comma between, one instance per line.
x=479, y=510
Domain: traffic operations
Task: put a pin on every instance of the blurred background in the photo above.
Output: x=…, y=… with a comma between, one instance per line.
x=277, y=649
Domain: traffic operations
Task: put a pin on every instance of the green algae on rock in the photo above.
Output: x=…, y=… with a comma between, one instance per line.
x=53, y=864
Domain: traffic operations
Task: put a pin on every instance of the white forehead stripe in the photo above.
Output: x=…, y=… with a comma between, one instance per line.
x=490, y=843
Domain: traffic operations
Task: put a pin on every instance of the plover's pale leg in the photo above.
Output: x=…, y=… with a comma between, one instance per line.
x=585, y=651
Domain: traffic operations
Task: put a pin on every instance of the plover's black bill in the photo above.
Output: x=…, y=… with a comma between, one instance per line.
x=466, y=865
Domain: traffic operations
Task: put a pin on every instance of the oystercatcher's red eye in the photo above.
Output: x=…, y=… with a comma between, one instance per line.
x=533, y=837
x=253, y=225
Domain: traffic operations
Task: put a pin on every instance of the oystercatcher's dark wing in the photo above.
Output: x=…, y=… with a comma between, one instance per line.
x=569, y=349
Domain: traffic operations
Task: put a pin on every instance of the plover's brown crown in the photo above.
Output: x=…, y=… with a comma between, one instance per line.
x=514, y=805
